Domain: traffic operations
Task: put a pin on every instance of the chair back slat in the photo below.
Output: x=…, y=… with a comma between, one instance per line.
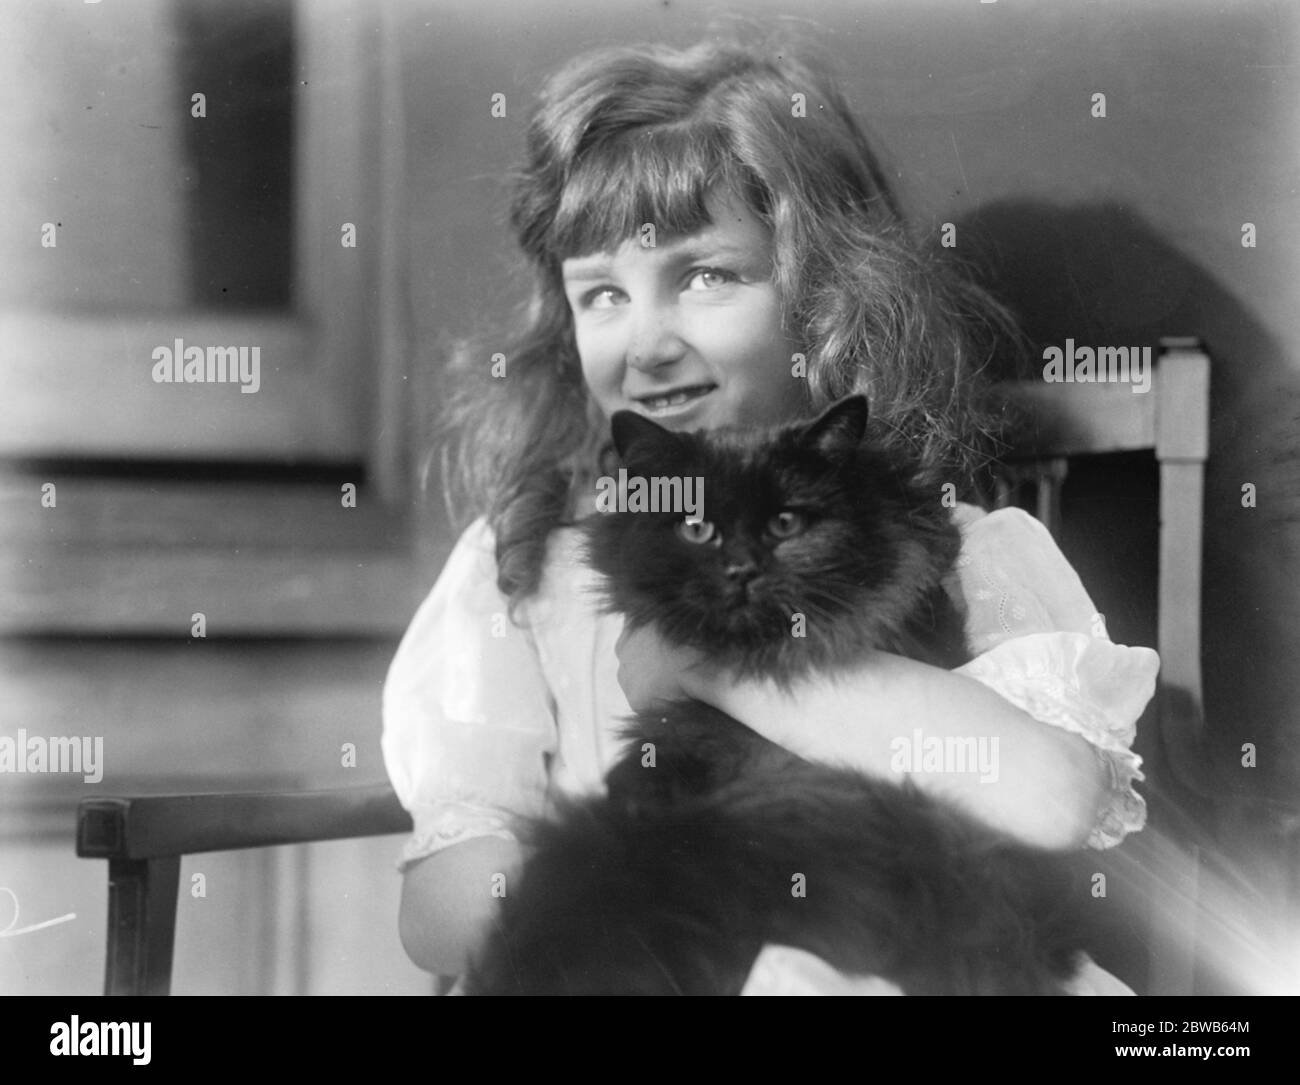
x=1078, y=419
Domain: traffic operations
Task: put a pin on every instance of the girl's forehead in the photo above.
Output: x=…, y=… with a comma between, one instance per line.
x=732, y=230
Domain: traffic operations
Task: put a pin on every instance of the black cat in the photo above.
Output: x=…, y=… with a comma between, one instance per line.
x=808, y=520
x=673, y=882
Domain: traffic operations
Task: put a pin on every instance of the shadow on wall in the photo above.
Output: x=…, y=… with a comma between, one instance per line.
x=1099, y=274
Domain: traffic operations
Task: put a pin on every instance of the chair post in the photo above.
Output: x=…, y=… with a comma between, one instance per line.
x=1182, y=445
x=141, y=901
x=144, y=837
x=1047, y=476
x=1050, y=478
x=141, y=925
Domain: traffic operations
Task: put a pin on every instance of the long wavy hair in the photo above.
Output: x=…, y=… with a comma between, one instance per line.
x=626, y=136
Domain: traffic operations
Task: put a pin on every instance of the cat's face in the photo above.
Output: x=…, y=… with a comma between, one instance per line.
x=802, y=537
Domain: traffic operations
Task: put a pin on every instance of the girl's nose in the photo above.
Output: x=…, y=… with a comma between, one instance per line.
x=654, y=340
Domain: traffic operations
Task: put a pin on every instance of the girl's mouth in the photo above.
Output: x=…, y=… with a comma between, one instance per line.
x=677, y=401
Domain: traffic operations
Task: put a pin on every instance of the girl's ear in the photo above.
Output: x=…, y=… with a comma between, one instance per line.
x=637, y=439
x=840, y=428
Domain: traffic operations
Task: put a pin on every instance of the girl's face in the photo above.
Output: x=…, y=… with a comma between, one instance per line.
x=687, y=332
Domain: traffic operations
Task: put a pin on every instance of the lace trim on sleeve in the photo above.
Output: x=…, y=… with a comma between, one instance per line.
x=1089, y=687
x=447, y=823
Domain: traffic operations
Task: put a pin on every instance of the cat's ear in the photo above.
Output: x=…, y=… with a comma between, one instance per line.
x=840, y=428
x=637, y=438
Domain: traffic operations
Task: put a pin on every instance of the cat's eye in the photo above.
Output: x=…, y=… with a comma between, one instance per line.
x=700, y=532
x=787, y=523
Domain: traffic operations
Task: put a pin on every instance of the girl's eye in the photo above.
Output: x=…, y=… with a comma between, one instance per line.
x=710, y=278
x=787, y=523
x=605, y=297
x=700, y=532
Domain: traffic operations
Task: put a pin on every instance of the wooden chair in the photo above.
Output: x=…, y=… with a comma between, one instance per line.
x=1062, y=421
x=144, y=838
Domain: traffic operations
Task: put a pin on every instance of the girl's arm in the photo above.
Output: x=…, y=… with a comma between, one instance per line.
x=447, y=902
x=468, y=727
x=1046, y=682
x=1038, y=783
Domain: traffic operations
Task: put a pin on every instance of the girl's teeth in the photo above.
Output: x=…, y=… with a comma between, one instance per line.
x=675, y=400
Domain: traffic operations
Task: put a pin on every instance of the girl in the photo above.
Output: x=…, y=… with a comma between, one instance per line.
x=714, y=243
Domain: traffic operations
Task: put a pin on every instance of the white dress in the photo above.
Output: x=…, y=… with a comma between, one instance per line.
x=483, y=717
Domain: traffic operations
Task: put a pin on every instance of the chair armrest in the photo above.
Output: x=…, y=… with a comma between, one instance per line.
x=144, y=837
x=158, y=826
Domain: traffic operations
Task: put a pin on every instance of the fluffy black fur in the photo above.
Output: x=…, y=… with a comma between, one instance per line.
x=672, y=882
x=865, y=571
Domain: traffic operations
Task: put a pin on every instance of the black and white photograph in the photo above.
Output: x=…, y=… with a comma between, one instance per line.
x=654, y=497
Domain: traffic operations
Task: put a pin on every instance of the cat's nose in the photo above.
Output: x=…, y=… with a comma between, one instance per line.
x=742, y=571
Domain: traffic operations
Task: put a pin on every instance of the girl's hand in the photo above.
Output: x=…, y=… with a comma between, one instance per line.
x=652, y=670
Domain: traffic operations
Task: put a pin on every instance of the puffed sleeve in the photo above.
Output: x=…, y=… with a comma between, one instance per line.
x=468, y=719
x=1040, y=644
